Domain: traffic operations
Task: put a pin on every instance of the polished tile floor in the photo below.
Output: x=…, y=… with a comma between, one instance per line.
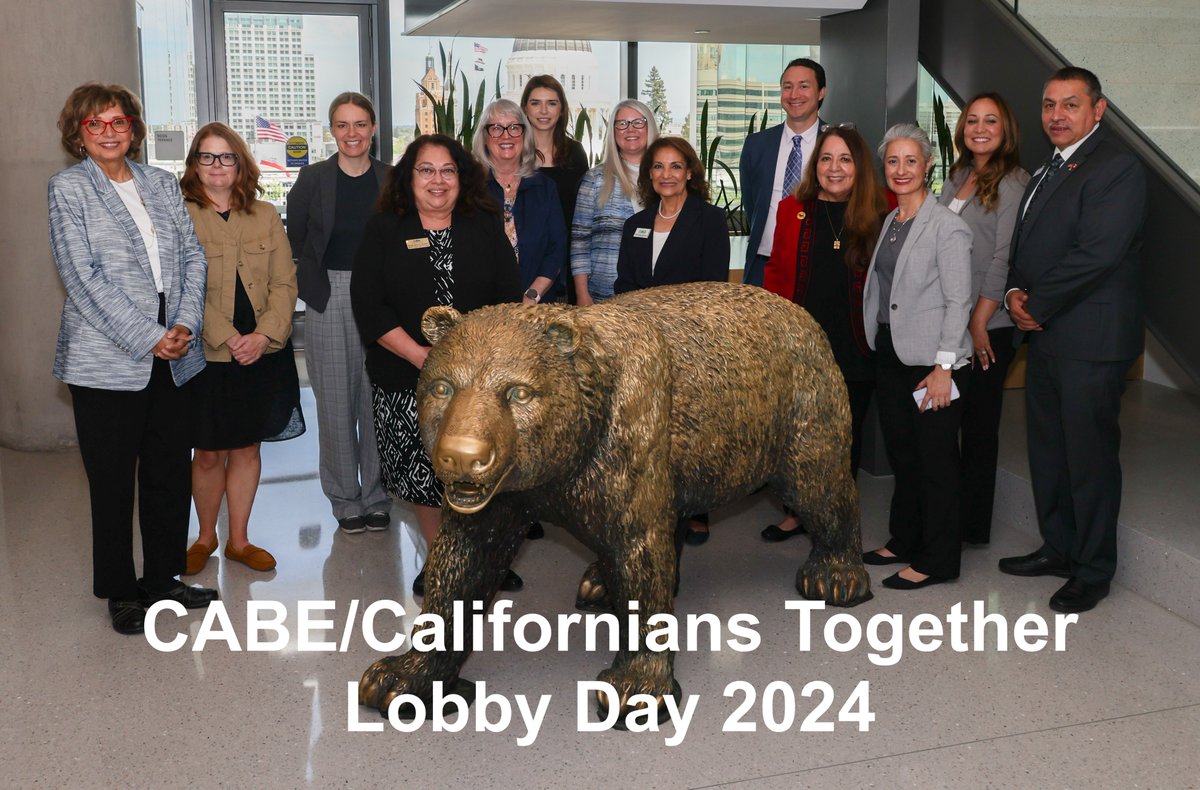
x=80, y=706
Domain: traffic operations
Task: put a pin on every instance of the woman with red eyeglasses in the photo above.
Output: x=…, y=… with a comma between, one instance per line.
x=129, y=341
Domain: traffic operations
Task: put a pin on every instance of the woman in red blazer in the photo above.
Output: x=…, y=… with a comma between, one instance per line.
x=824, y=235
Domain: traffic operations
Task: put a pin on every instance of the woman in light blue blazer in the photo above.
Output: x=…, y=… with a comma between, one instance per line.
x=134, y=274
x=916, y=302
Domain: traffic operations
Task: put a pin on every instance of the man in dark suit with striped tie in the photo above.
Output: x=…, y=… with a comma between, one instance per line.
x=1075, y=292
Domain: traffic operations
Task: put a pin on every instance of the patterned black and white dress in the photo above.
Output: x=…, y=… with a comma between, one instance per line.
x=406, y=469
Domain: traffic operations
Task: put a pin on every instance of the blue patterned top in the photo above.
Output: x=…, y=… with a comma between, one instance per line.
x=596, y=233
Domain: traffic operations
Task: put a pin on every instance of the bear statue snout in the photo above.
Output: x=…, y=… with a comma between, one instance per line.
x=463, y=456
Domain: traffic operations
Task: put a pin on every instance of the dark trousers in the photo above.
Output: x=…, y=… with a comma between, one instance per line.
x=142, y=436
x=753, y=274
x=922, y=448
x=981, y=437
x=1074, y=459
x=860, y=399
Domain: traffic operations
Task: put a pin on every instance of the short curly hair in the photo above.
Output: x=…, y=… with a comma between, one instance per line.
x=94, y=97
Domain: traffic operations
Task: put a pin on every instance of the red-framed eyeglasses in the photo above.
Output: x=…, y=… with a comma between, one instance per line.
x=96, y=126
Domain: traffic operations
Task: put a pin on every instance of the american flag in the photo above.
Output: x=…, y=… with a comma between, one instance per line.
x=265, y=130
x=480, y=49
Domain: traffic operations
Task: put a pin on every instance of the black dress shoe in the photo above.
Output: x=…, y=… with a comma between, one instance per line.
x=536, y=531
x=128, y=617
x=773, y=534
x=1035, y=564
x=191, y=596
x=875, y=558
x=695, y=537
x=898, y=582
x=1078, y=596
x=419, y=584
x=512, y=582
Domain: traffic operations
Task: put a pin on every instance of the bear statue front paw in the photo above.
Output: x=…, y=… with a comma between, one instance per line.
x=390, y=677
x=593, y=592
x=626, y=684
x=836, y=582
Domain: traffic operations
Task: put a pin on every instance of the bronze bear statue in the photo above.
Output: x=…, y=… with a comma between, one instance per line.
x=612, y=421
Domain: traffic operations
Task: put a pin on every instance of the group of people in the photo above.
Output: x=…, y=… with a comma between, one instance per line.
x=175, y=335
x=925, y=304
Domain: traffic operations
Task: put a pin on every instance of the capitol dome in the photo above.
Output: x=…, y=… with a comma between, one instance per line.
x=570, y=61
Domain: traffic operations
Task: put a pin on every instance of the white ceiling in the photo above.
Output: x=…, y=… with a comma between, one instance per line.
x=728, y=21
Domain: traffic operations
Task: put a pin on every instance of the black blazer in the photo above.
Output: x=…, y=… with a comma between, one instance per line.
x=310, y=218
x=1077, y=255
x=697, y=248
x=393, y=283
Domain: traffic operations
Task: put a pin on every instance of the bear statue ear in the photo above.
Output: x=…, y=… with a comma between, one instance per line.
x=562, y=332
x=439, y=320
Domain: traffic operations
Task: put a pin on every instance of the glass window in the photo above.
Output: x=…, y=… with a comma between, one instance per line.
x=929, y=96
x=284, y=120
x=588, y=70
x=168, y=66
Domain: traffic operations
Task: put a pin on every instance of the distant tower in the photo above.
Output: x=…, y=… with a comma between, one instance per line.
x=432, y=83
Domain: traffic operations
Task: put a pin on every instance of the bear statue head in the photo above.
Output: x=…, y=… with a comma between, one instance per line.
x=502, y=402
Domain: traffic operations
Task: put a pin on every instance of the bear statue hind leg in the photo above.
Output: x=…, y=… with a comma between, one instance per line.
x=836, y=581
x=834, y=571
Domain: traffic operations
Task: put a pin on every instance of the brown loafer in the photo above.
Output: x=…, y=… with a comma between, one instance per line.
x=252, y=557
x=197, y=557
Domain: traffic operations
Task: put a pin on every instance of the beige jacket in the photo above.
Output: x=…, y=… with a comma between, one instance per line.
x=254, y=245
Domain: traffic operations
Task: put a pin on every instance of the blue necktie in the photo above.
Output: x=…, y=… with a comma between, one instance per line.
x=795, y=166
x=1051, y=171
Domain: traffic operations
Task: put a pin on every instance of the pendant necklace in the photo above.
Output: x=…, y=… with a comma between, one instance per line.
x=897, y=224
x=837, y=234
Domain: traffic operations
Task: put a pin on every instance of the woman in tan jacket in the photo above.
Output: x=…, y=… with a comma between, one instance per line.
x=249, y=392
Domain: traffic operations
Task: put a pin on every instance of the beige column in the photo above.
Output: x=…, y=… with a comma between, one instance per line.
x=51, y=46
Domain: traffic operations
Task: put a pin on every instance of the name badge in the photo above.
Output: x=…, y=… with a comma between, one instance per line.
x=417, y=244
x=641, y=233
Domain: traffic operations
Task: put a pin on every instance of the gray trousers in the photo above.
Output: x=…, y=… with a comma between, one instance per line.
x=336, y=360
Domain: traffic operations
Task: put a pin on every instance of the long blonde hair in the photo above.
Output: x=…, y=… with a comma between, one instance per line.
x=613, y=167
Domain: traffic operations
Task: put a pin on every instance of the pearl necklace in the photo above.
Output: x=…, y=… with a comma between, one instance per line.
x=668, y=216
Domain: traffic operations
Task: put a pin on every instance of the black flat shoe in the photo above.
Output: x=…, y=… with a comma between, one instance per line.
x=1077, y=596
x=773, y=534
x=898, y=582
x=1034, y=564
x=128, y=617
x=536, y=531
x=875, y=558
x=418, y=587
x=512, y=582
x=377, y=521
x=695, y=537
x=191, y=596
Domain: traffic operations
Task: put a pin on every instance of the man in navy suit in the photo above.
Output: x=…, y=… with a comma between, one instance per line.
x=1075, y=292
x=772, y=162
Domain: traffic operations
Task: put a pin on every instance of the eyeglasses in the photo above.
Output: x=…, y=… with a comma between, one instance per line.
x=636, y=123
x=96, y=126
x=427, y=172
x=498, y=130
x=208, y=160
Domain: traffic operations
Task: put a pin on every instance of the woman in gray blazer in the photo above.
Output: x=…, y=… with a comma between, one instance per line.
x=916, y=302
x=327, y=212
x=985, y=188
x=134, y=274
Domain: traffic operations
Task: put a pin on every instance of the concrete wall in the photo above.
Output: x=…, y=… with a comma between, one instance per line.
x=51, y=47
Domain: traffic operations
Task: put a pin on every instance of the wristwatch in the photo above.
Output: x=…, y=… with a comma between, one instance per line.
x=534, y=295
x=945, y=365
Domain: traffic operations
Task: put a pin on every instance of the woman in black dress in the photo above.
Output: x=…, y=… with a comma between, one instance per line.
x=824, y=236
x=249, y=392
x=438, y=240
